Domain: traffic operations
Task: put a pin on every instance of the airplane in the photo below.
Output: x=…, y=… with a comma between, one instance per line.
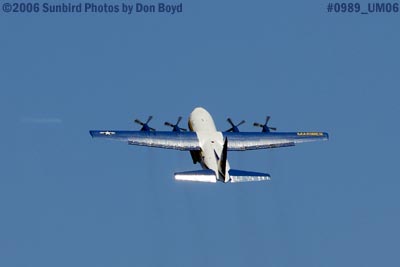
x=210, y=147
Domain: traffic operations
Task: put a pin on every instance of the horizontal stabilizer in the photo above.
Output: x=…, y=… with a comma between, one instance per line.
x=245, y=176
x=207, y=176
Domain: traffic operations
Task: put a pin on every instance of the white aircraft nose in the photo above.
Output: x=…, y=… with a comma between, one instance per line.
x=199, y=109
x=196, y=113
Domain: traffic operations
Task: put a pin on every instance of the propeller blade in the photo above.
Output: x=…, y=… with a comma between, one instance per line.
x=139, y=122
x=179, y=120
x=240, y=123
x=267, y=119
x=175, y=127
x=229, y=130
x=149, y=119
x=258, y=124
x=230, y=122
x=272, y=128
x=145, y=126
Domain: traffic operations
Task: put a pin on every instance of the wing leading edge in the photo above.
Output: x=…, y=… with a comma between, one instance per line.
x=170, y=140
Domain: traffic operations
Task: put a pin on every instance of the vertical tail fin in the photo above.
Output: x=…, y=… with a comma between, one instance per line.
x=222, y=160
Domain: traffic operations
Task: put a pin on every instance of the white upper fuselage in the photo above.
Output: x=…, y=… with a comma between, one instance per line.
x=210, y=140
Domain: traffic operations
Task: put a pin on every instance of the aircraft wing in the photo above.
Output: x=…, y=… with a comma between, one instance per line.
x=239, y=141
x=171, y=140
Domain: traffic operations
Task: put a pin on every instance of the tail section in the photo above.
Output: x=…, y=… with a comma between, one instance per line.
x=223, y=174
x=237, y=176
x=207, y=176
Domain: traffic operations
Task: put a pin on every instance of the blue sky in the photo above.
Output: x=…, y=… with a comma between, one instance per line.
x=66, y=199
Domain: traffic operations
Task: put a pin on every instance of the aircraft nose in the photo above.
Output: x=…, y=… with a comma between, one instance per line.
x=198, y=109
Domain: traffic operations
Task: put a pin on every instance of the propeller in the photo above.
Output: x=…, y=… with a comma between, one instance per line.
x=175, y=127
x=145, y=125
x=234, y=127
x=265, y=127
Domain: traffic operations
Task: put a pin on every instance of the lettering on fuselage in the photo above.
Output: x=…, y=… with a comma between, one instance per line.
x=310, y=134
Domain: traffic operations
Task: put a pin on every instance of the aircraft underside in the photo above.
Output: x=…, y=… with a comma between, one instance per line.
x=210, y=147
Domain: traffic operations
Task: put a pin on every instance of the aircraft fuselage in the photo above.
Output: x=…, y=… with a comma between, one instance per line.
x=211, y=142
